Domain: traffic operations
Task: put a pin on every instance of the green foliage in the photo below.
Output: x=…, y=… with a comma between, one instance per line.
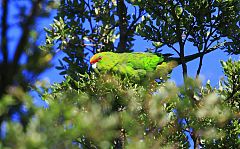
x=107, y=111
x=94, y=111
x=134, y=108
x=232, y=92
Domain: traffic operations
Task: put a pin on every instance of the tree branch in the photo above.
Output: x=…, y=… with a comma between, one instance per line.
x=181, y=43
x=4, y=41
x=206, y=39
x=197, y=55
x=91, y=25
x=123, y=24
x=199, y=66
x=132, y=26
x=171, y=46
x=25, y=34
x=195, y=137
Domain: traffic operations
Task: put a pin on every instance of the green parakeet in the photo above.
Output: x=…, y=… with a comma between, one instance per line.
x=136, y=65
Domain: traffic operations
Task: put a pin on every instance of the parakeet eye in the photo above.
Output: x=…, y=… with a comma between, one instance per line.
x=99, y=58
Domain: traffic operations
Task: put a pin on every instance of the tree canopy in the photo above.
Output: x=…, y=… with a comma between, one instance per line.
x=90, y=110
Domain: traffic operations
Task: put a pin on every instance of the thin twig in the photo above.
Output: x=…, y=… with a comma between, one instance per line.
x=132, y=26
x=171, y=46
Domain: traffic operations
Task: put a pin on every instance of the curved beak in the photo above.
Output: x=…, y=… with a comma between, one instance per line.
x=92, y=61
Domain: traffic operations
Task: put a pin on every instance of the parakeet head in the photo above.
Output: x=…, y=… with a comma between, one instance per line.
x=94, y=59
